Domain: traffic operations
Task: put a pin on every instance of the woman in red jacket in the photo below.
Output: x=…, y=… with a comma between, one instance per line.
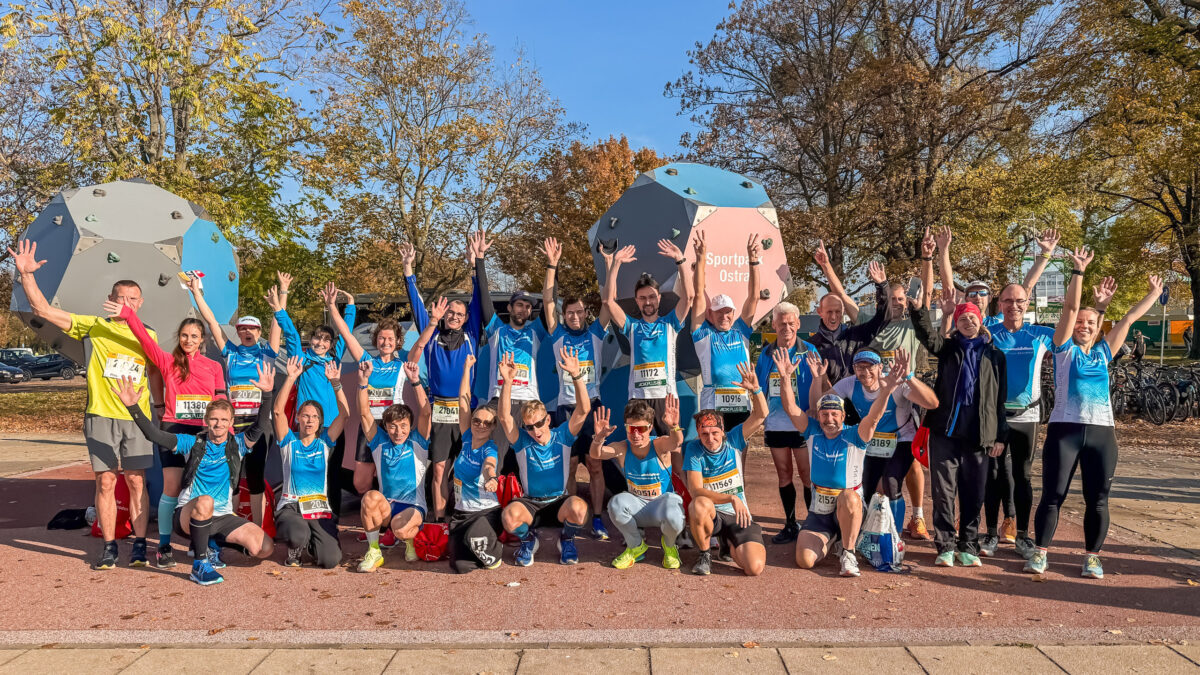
x=192, y=381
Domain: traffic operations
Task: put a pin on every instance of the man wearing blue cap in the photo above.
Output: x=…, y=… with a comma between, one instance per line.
x=836, y=453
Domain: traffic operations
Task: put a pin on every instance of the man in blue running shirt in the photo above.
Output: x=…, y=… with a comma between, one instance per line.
x=723, y=341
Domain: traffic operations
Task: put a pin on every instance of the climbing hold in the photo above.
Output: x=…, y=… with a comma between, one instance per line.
x=689, y=191
x=91, y=218
x=232, y=276
x=164, y=279
x=672, y=172
x=175, y=215
x=674, y=232
x=58, y=220
x=747, y=184
x=612, y=223
x=215, y=237
x=113, y=257
x=766, y=243
x=764, y=294
x=98, y=192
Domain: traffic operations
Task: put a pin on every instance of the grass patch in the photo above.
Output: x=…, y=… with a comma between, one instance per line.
x=50, y=411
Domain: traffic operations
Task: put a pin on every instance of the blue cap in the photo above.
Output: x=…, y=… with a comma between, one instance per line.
x=867, y=356
x=831, y=402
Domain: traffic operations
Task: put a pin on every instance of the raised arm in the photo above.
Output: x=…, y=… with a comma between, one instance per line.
x=568, y=362
x=329, y=295
x=683, y=286
x=553, y=252
x=130, y=392
x=866, y=428
x=918, y=392
x=820, y=380
x=507, y=368
x=1046, y=245
x=464, y=395
x=295, y=366
x=162, y=360
x=262, y=424
x=835, y=284
x=865, y=332
x=333, y=371
x=366, y=419
x=928, y=250
x=206, y=314
x=750, y=306
x=281, y=296
x=610, y=285
x=431, y=323
x=481, y=245
x=1081, y=257
x=25, y=259
x=420, y=317
x=758, y=400
x=424, y=410
x=665, y=445
x=699, y=274
x=943, y=237
x=291, y=336
x=1116, y=336
x=602, y=422
x=932, y=340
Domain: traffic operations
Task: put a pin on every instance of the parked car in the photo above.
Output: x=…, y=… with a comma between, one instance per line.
x=48, y=366
x=11, y=375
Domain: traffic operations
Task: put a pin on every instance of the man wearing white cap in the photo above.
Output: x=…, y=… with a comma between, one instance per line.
x=723, y=341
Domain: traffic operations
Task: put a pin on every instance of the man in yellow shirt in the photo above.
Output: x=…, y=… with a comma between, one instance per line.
x=107, y=427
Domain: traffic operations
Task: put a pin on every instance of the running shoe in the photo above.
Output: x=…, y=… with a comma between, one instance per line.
x=630, y=556
x=410, y=551
x=969, y=559
x=293, y=557
x=670, y=555
x=567, y=553
x=164, y=557
x=137, y=556
x=703, y=566
x=204, y=574
x=495, y=565
x=214, y=557
x=988, y=544
x=1092, y=568
x=372, y=560
x=1038, y=562
x=917, y=529
x=1025, y=547
x=1008, y=530
x=849, y=564
x=723, y=553
x=107, y=559
x=945, y=559
x=598, y=531
x=789, y=533
x=528, y=547
x=685, y=541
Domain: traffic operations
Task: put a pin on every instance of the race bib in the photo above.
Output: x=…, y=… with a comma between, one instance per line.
x=883, y=444
x=731, y=399
x=118, y=366
x=646, y=491
x=774, y=385
x=314, y=507
x=458, y=491
x=650, y=375
x=445, y=410
x=729, y=483
x=586, y=368
x=191, y=406
x=520, y=376
x=824, y=500
x=246, y=399
x=379, y=399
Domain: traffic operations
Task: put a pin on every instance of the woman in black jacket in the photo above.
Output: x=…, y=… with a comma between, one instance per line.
x=965, y=429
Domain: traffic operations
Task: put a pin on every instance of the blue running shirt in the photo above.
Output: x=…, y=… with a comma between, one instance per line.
x=212, y=476
x=304, y=466
x=313, y=385
x=590, y=345
x=469, y=493
x=545, y=468
x=769, y=379
x=241, y=368
x=720, y=352
x=1024, y=350
x=646, y=478
x=401, y=468
x=652, y=355
x=720, y=471
x=523, y=344
x=835, y=462
x=1083, y=377
x=386, y=384
x=897, y=424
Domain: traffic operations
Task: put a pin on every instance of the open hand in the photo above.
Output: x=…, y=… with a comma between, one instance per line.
x=25, y=257
x=129, y=390
x=266, y=377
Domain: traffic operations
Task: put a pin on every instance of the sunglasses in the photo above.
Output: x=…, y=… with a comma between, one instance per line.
x=538, y=424
x=637, y=428
x=482, y=422
x=982, y=293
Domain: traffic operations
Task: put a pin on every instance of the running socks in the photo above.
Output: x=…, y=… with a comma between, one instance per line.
x=201, y=529
x=787, y=495
x=166, y=515
x=919, y=512
x=570, y=530
x=373, y=539
x=521, y=531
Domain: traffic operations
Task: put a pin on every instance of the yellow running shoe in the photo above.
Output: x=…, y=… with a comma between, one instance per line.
x=373, y=559
x=410, y=551
x=631, y=555
x=670, y=555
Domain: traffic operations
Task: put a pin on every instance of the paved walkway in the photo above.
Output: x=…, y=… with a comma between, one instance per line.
x=955, y=659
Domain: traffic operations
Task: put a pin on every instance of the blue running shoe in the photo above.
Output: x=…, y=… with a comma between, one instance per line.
x=567, y=553
x=598, y=530
x=214, y=557
x=524, y=554
x=1092, y=569
x=204, y=574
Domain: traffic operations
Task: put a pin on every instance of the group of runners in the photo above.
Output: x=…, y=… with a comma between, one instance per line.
x=839, y=412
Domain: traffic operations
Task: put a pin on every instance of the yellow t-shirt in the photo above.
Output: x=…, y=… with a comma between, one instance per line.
x=115, y=353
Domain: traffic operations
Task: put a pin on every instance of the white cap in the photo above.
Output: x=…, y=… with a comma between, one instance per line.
x=976, y=284
x=248, y=321
x=721, y=302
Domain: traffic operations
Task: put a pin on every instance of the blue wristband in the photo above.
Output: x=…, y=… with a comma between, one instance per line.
x=756, y=392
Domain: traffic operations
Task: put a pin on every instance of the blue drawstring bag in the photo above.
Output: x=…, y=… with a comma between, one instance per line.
x=879, y=541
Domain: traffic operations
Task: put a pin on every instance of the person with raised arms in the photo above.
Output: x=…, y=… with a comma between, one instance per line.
x=789, y=453
x=650, y=499
x=191, y=381
x=113, y=441
x=476, y=525
x=242, y=359
x=651, y=336
x=304, y=517
x=714, y=465
x=214, y=456
x=444, y=343
x=543, y=458
x=838, y=342
x=836, y=455
x=398, y=452
x=1080, y=433
x=587, y=340
x=723, y=340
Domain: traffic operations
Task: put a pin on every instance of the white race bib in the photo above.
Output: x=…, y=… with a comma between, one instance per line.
x=520, y=376
x=118, y=366
x=652, y=374
x=729, y=483
x=824, y=500
x=191, y=406
x=774, y=382
x=650, y=491
x=379, y=399
x=246, y=399
x=731, y=399
x=445, y=410
x=314, y=507
x=586, y=368
x=883, y=444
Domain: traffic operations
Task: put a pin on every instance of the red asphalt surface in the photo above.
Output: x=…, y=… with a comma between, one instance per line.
x=46, y=584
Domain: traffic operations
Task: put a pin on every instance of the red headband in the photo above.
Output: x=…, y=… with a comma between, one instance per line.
x=968, y=308
x=710, y=420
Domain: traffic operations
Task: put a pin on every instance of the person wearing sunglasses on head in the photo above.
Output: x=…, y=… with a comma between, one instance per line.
x=475, y=526
x=543, y=458
x=398, y=452
x=650, y=499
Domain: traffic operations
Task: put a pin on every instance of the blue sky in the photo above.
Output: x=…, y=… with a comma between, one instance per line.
x=607, y=61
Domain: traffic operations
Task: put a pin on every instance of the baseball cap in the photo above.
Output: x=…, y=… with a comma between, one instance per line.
x=721, y=302
x=522, y=295
x=248, y=321
x=831, y=402
x=867, y=356
x=977, y=284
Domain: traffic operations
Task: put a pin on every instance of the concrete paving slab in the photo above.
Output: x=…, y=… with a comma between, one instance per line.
x=91, y=661
x=454, y=661
x=882, y=660
x=557, y=661
x=1190, y=652
x=1117, y=659
x=7, y=655
x=728, y=661
x=981, y=660
x=31, y=452
x=322, y=661
x=198, y=661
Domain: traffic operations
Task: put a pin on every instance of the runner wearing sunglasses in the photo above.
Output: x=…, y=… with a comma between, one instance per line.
x=650, y=500
x=475, y=526
x=543, y=458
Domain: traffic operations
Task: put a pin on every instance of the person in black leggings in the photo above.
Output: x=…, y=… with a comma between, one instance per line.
x=1080, y=432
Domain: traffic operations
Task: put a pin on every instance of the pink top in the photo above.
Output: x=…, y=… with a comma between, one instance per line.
x=186, y=400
